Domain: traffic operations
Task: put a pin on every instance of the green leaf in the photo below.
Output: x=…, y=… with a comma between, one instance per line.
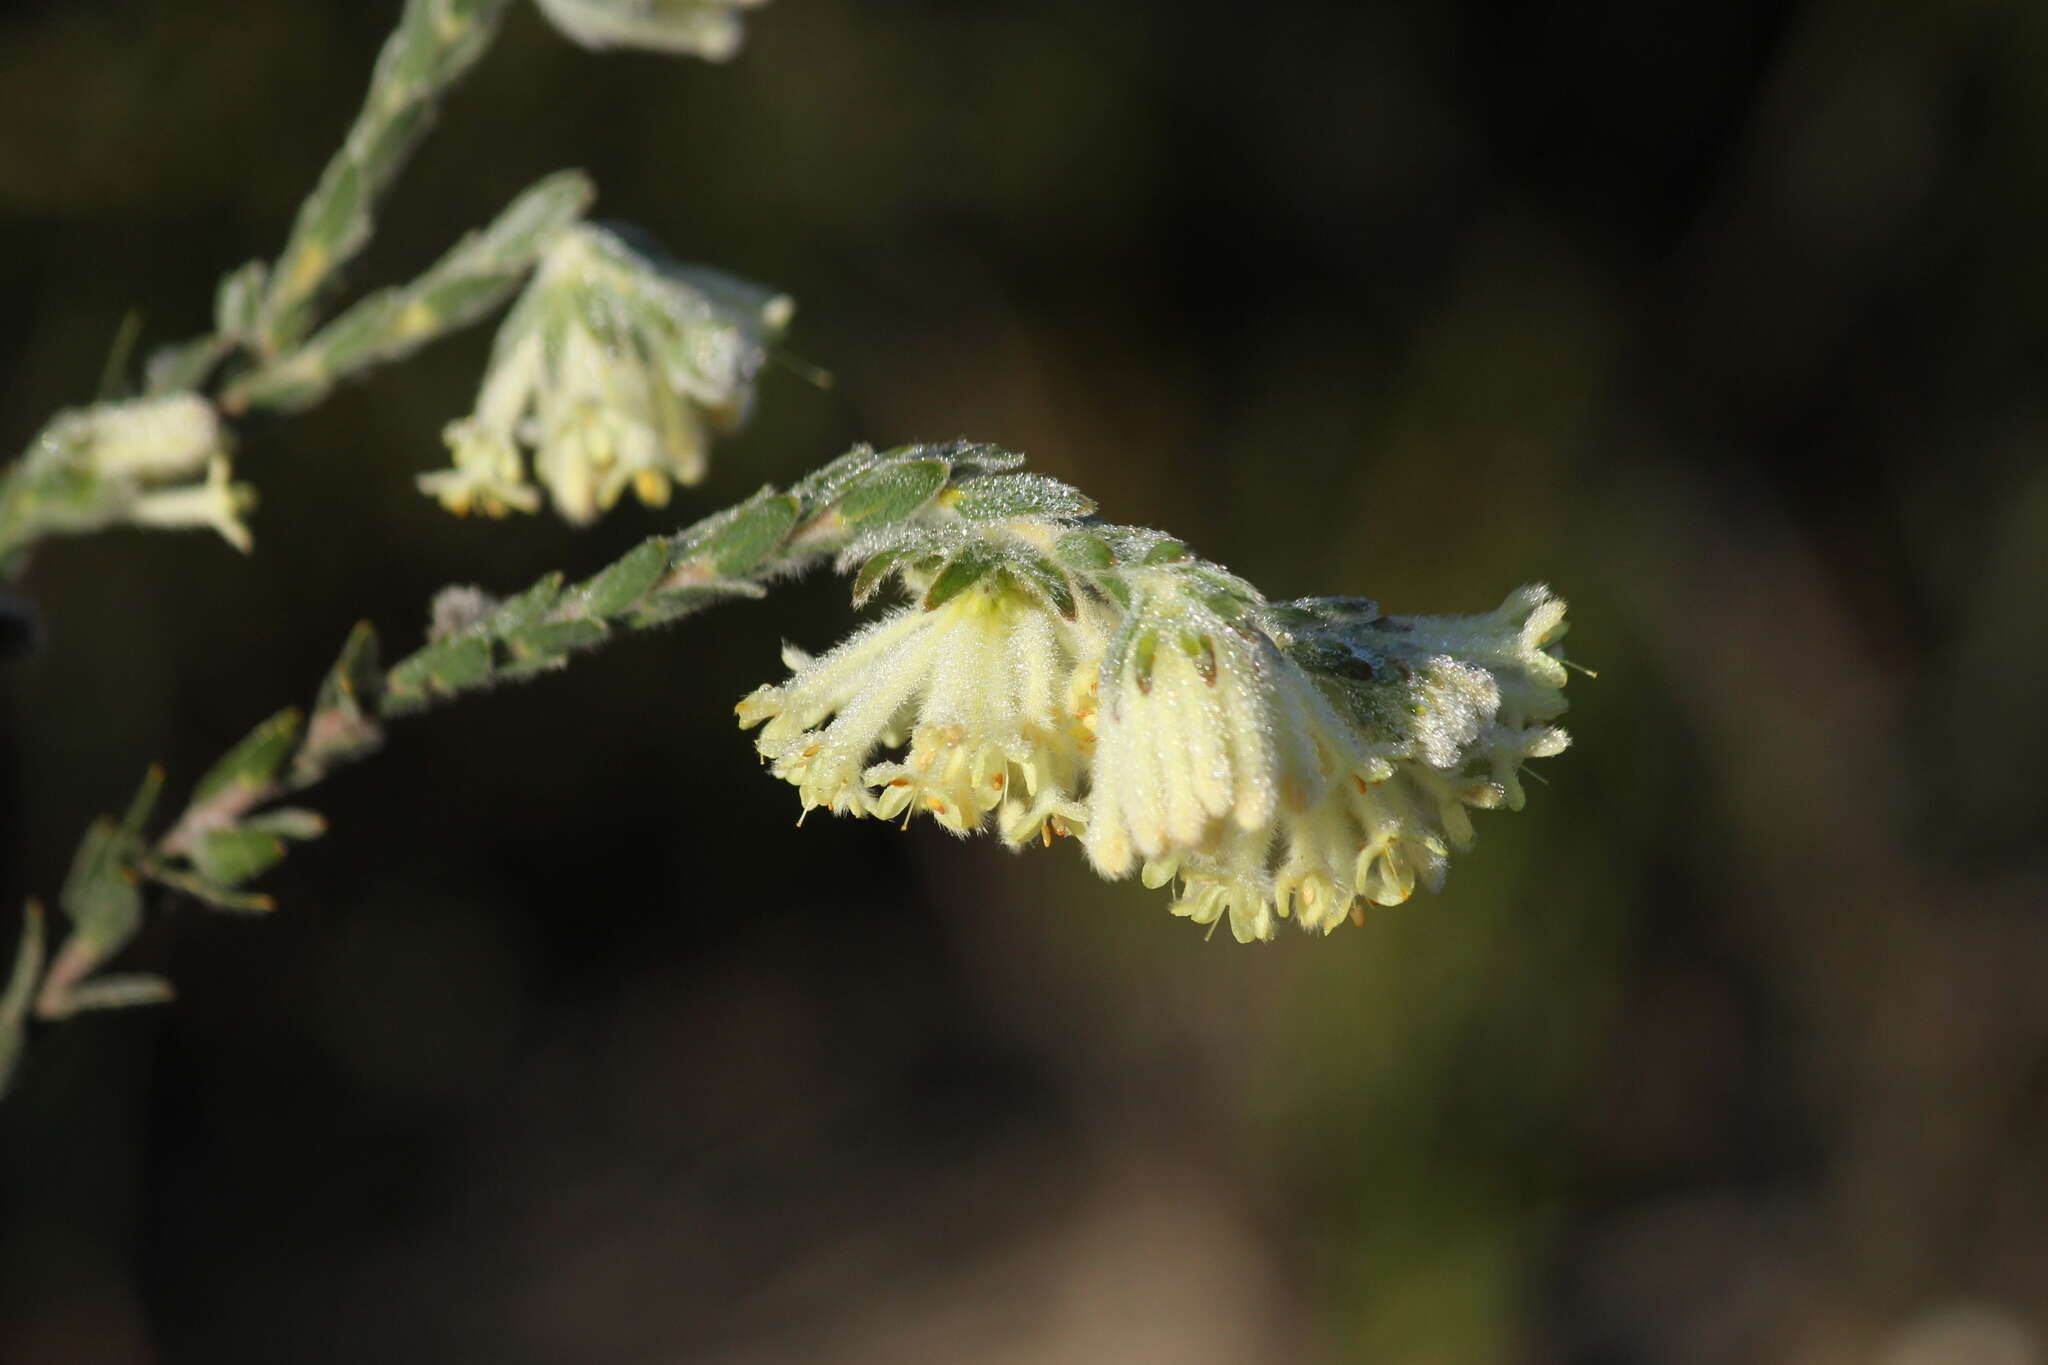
x=528, y=225
x=676, y=603
x=354, y=681
x=1144, y=651
x=100, y=895
x=289, y=822
x=823, y=485
x=144, y=802
x=548, y=644
x=115, y=384
x=220, y=897
x=255, y=761
x=1331, y=658
x=358, y=335
x=893, y=492
x=120, y=992
x=446, y=666
x=874, y=572
x=287, y=389
x=1044, y=577
x=1003, y=496
x=339, y=205
x=528, y=606
x=433, y=307
x=21, y=990
x=970, y=458
x=228, y=857
x=1084, y=550
x=1114, y=586
x=342, y=726
x=1222, y=593
x=962, y=572
x=753, y=531
x=615, y=590
x=456, y=664
x=1167, y=551
x=183, y=365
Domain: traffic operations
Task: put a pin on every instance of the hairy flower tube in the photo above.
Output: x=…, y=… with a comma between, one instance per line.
x=1439, y=714
x=614, y=368
x=972, y=696
x=1203, y=726
x=1055, y=674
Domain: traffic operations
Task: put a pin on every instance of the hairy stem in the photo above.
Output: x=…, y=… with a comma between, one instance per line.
x=232, y=828
x=434, y=45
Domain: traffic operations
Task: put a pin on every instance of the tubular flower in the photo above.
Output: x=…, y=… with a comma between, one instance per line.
x=614, y=368
x=1205, y=726
x=975, y=692
x=1442, y=712
x=1277, y=761
x=216, y=502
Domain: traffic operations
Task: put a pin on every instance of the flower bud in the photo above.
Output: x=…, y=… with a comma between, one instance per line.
x=144, y=440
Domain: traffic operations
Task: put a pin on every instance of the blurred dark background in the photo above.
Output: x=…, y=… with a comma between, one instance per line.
x=1726, y=319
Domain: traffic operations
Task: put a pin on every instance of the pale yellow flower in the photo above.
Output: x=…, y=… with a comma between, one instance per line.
x=1204, y=726
x=1466, y=702
x=977, y=692
x=216, y=502
x=487, y=476
x=613, y=369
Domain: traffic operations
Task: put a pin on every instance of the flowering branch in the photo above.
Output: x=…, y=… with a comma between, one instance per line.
x=434, y=46
x=476, y=275
x=1049, y=674
x=233, y=829
x=164, y=458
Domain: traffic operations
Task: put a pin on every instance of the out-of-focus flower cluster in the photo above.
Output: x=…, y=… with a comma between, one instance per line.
x=1053, y=675
x=613, y=369
x=160, y=461
x=700, y=28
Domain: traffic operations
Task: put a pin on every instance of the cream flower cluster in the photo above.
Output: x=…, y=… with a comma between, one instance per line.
x=1427, y=718
x=1052, y=675
x=613, y=368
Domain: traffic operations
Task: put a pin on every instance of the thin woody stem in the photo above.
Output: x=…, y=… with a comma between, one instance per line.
x=434, y=45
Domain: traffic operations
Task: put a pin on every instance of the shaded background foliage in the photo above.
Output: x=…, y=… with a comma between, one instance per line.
x=1724, y=318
